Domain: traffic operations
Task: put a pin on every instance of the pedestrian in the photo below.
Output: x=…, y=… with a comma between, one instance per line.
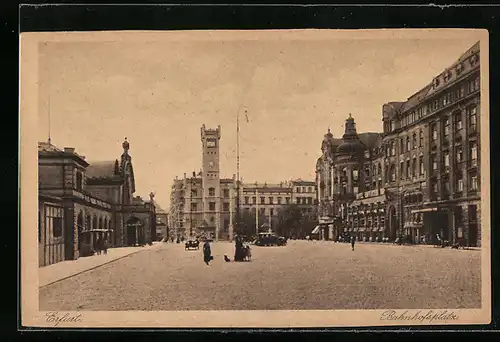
x=105, y=246
x=353, y=241
x=207, y=253
x=238, y=250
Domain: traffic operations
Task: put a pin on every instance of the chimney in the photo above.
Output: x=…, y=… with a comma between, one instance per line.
x=184, y=175
x=194, y=174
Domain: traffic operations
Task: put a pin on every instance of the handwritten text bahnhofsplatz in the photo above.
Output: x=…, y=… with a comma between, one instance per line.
x=420, y=316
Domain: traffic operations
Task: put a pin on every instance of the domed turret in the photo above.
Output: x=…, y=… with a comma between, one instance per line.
x=350, y=141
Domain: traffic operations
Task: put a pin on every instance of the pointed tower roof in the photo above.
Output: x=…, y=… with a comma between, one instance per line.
x=351, y=144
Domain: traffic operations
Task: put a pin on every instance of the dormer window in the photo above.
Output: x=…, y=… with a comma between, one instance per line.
x=459, y=68
x=436, y=82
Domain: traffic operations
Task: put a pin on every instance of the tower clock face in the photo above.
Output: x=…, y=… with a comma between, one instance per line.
x=210, y=142
x=211, y=164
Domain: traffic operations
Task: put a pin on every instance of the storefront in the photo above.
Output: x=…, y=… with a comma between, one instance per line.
x=434, y=224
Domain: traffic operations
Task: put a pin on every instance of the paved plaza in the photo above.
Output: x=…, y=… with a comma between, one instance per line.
x=302, y=275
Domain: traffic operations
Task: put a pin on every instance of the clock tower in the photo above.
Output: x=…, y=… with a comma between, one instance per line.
x=211, y=180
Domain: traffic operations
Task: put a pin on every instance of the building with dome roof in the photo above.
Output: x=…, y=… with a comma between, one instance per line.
x=343, y=172
x=417, y=180
x=82, y=202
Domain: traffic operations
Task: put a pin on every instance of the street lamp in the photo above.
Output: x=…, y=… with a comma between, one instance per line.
x=238, y=181
x=193, y=184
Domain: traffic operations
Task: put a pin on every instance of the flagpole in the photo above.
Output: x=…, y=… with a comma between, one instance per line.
x=238, y=171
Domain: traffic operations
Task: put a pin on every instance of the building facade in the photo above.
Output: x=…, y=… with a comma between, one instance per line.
x=420, y=178
x=264, y=201
x=81, y=202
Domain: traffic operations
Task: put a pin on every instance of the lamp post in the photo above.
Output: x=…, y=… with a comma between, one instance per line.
x=193, y=183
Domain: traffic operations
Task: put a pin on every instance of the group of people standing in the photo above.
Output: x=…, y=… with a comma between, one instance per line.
x=240, y=252
x=101, y=246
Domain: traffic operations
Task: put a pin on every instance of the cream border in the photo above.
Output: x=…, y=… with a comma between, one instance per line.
x=30, y=316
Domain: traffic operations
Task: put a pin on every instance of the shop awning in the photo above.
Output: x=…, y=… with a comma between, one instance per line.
x=316, y=230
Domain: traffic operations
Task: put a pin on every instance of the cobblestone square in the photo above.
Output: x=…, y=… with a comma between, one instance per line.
x=302, y=275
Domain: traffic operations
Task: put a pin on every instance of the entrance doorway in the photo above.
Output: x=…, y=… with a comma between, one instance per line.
x=473, y=226
x=393, y=223
x=133, y=229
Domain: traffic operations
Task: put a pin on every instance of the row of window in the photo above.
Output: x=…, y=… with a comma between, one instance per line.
x=473, y=184
x=300, y=189
x=451, y=96
x=225, y=206
x=211, y=192
x=457, y=123
x=279, y=200
x=272, y=212
x=459, y=156
x=375, y=221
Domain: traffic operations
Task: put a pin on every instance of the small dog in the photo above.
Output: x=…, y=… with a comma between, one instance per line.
x=226, y=259
x=248, y=253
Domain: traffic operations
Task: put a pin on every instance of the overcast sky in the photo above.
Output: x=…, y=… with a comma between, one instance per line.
x=159, y=93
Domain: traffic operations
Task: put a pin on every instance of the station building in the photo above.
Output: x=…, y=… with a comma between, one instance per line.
x=81, y=202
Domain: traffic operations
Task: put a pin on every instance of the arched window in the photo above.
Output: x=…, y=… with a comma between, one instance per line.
x=355, y=173
x=94, y=222
x=379, y=169
x=100, y=222
x=88, y=222
x=414, y=140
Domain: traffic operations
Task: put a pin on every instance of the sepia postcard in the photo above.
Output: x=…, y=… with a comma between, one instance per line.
x=255, y=179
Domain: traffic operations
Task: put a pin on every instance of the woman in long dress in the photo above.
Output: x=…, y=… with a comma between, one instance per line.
x=207, y=253
x=238, y=253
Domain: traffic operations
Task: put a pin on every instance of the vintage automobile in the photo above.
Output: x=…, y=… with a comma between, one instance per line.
x=270, y=239
x=192, y=244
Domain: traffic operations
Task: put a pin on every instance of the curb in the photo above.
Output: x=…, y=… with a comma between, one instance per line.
x=91, y=268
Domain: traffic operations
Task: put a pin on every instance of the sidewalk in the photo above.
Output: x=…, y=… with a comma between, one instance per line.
x=396, y=245
x=65, y=269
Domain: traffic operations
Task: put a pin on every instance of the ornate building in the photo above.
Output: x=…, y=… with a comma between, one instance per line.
x=420, y=177
x=264, y=201
x=81, y=202
x=201, y=204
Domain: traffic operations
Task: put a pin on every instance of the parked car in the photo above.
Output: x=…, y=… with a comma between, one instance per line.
x=270, y=239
